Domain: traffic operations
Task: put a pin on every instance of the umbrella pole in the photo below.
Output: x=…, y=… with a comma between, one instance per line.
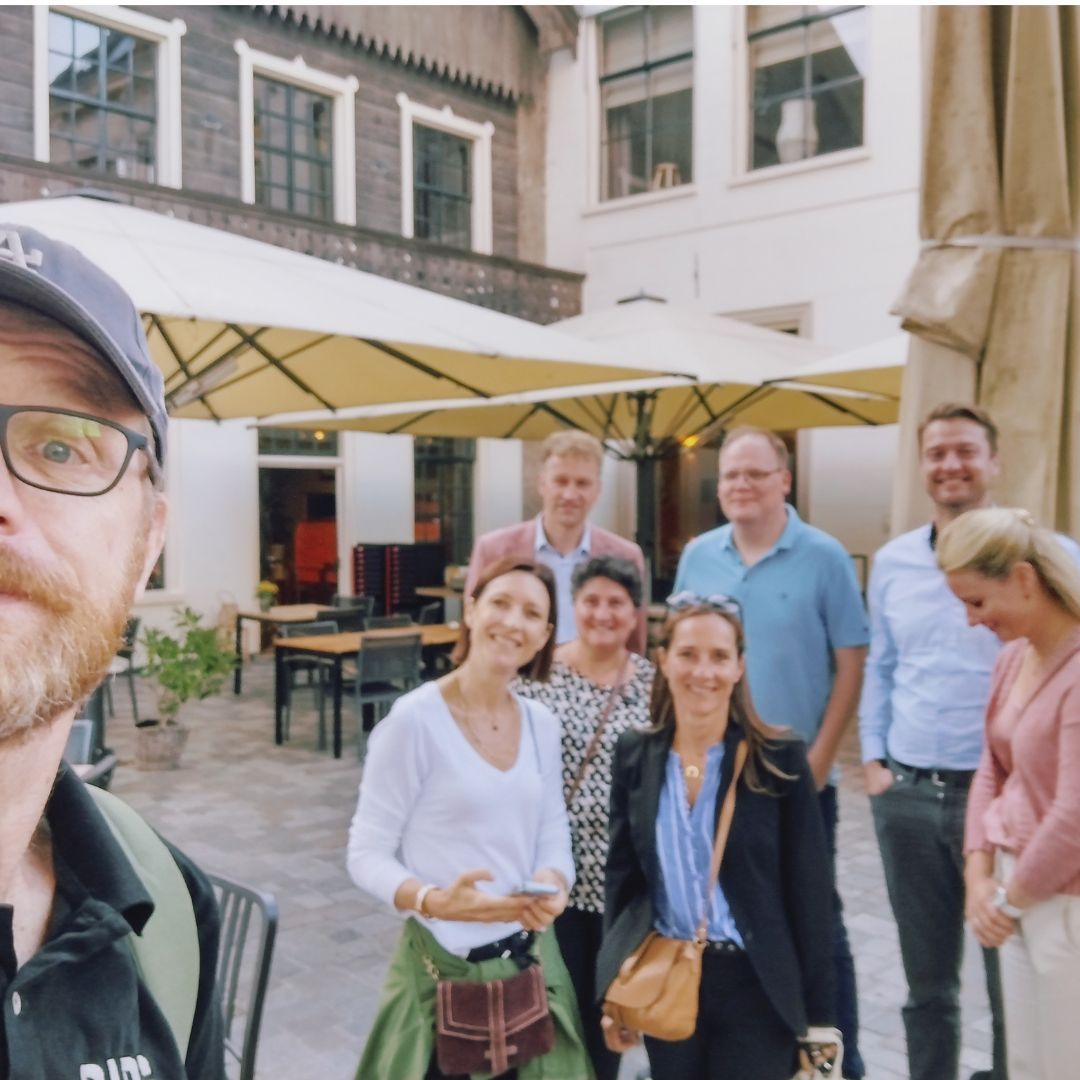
x=646, y=514
x=643, y=402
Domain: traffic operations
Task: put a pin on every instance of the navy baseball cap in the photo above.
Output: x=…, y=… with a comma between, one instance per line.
x=58, y=281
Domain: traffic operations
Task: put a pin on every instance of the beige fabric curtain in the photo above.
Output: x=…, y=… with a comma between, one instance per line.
x=993, y=294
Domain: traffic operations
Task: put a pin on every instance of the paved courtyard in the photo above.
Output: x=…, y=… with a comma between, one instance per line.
x=277, y=817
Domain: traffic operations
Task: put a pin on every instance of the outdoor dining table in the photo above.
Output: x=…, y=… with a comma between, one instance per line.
x=281, y=613
x=337, y=648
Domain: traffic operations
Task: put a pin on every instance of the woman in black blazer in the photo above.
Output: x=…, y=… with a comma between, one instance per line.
x=767, y=970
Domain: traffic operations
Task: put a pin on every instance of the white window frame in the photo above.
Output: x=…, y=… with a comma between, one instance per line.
x=480, y=135
x=165, y=34
x=594, y=205
x=741, y=171
x=342, y=91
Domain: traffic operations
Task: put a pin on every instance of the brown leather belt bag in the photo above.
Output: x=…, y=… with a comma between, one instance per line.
x=492, y=1026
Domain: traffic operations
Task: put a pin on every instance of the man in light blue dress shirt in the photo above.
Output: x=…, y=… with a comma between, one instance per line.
x=921, y=726
x=806, y=633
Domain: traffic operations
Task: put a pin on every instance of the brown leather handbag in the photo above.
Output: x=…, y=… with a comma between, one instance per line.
x=656, y=990
x=492, y=1026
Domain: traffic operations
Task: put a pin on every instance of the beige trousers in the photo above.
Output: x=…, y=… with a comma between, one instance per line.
x=1040, y=976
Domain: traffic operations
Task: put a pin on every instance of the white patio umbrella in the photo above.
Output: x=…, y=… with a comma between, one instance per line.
x=244, y=328
x=727, y=362
x=741, y=374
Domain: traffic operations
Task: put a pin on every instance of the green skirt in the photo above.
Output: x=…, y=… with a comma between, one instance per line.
x=402, y=1039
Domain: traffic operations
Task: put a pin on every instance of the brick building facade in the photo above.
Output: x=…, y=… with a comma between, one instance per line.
x=508, y=277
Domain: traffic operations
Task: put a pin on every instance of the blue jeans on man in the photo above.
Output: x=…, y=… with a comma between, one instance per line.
x=847, y=1000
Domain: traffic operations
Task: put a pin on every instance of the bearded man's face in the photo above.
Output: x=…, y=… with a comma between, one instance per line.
x=70, y=565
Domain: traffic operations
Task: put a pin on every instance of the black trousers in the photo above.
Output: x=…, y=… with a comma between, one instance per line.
x=578, y=933
x=739, y=1033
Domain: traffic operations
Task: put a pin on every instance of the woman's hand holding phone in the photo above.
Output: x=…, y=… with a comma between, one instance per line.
x=542, y=911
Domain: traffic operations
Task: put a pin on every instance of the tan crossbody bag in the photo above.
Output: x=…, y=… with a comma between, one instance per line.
x=656, y=990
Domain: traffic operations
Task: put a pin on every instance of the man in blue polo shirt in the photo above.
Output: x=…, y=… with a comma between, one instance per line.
x=806, y=632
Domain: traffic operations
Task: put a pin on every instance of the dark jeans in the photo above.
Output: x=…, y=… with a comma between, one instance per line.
x=739, y=1033
x=578, y=933
x=846, y=995
x=920, y=829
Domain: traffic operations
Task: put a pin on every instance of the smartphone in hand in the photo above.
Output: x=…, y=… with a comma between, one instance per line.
x=536, y=888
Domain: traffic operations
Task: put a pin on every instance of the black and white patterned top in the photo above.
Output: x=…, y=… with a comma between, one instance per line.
x=578, y=704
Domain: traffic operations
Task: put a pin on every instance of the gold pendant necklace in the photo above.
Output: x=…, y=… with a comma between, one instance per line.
x=466, y=714
x=691, y=772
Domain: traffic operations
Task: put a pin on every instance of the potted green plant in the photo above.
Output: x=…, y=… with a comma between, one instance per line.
x=266, y=593
x=192, y=665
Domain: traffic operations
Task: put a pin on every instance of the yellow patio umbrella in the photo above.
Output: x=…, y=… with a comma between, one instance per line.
x=243, y=328
x=993, y=297
x=744, y=375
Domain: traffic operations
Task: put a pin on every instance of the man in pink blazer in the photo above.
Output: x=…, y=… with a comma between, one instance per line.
x=562, y=535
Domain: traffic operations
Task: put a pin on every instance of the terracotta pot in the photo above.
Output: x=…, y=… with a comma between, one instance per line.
x=159, y=746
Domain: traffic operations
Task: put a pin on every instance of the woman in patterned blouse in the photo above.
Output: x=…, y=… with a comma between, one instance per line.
x=595, y=679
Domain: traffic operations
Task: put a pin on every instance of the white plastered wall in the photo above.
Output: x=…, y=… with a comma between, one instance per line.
x=837, y=234
x=212, y=545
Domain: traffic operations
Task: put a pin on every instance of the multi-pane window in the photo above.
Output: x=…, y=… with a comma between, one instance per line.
x=294, y=158
x=442, y=187
x=443, y=487
x=807, y=71
x=298, y=441
x=646, y=99
x=103, y=91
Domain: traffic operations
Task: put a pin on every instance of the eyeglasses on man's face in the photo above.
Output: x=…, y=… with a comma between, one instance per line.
x=71, y=453
x=721, y=602
x=754, y=477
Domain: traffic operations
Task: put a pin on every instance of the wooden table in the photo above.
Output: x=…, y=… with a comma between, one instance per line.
x=452, y=599
x=336, y=648
x=282, y=613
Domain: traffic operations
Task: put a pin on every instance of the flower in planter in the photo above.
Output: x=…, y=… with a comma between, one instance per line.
x=266, y=593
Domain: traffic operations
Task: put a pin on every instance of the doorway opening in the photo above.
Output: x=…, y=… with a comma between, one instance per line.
x=298, y=549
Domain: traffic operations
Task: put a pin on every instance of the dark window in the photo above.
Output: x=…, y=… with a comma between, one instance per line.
x=102, y=99
x=298, y=441
x=294, y=160
x=442, y=187
x=443, y=479
x=807, y=71
x=646, y=99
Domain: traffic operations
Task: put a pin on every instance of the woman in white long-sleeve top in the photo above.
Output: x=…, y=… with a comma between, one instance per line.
x=461, y=802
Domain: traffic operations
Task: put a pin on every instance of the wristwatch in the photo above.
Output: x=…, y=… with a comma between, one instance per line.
x=1001, y=902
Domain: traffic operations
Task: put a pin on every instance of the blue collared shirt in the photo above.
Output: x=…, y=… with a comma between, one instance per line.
x=562, y=566
x=927, y=676
x=684, y=841
x=800, y=601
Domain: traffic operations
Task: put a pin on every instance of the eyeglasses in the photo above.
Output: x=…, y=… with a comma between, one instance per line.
x=751, y=476
x=71, y=453
x=721, y=602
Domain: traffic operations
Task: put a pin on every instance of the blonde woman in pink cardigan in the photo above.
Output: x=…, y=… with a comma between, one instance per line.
x=1022, y=837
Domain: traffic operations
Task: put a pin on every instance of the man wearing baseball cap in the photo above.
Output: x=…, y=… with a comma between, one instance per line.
x=82, y=519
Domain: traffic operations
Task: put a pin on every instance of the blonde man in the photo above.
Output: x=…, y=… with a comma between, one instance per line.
x=561, y=535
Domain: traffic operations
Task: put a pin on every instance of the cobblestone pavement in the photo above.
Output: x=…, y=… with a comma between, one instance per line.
x=277, y=817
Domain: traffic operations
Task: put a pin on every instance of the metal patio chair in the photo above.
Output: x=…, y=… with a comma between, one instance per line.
x=123, y=666
x=386, y=667
x=388, y=622
x=366, y=604
x=315, y=667
x=249, y=920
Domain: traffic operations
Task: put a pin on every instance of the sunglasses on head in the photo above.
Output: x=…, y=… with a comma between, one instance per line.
x=727, y=605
